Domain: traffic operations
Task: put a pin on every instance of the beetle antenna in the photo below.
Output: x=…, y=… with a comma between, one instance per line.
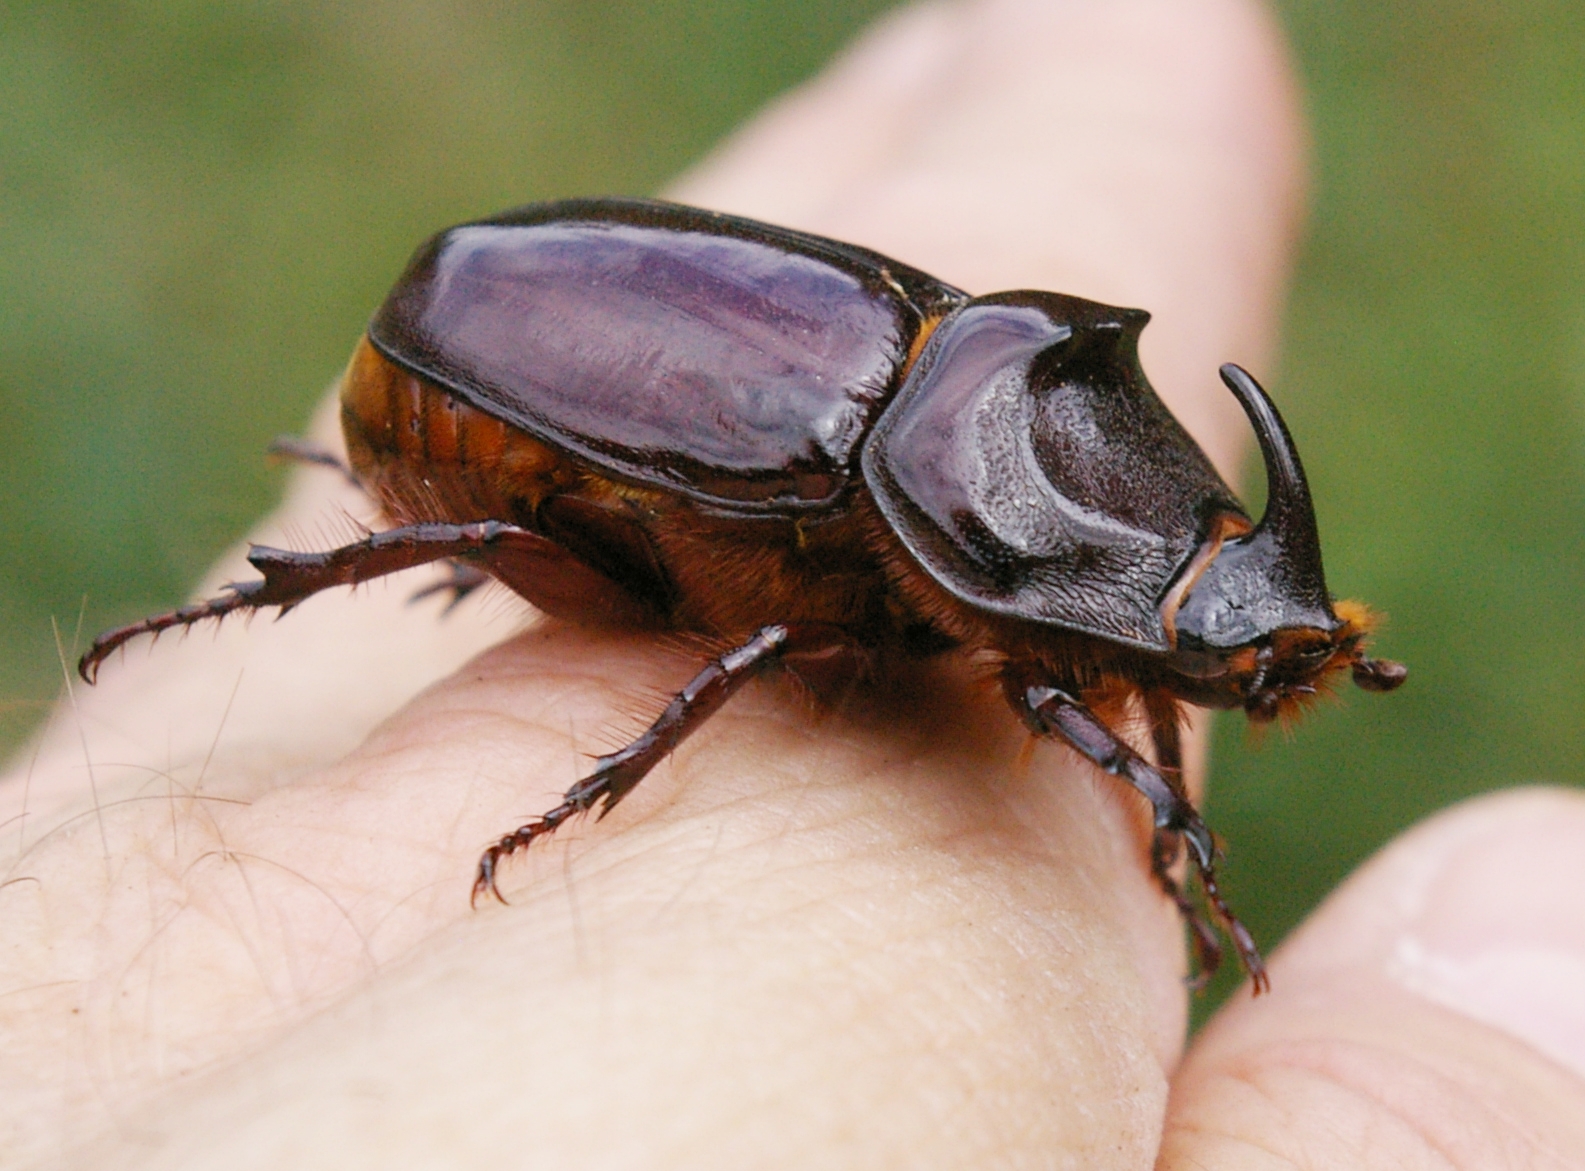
x=1289, y=523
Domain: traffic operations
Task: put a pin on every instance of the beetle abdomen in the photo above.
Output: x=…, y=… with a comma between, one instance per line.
x=427, y=456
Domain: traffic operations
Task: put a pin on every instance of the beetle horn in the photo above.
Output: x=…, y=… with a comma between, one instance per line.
x=1289, y=524
x=1270, y=578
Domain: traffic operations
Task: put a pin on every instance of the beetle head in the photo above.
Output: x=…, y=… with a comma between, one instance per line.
x=1257, y=628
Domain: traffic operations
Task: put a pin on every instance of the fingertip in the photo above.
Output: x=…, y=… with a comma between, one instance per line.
x=1480, y=913
x=1430, y=1010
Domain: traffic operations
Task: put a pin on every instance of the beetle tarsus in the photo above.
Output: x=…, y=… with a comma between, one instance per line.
x=1167, y=738
x=1243, y=941
x=1164, y=847
x=519, y=839
x=240, y=597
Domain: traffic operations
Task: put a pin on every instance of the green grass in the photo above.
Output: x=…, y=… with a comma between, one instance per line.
x=200, y=202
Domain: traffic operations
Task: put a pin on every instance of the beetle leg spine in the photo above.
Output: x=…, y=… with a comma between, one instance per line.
x=106, y=644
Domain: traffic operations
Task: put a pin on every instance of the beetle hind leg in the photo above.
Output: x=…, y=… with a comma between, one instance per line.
x=616, y=774
x=535, y=566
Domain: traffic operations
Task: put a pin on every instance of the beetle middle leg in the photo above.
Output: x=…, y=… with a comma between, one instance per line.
x=616, y=774
x=1050, y=711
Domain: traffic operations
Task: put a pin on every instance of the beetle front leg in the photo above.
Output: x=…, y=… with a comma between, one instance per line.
x=1050, y=711
x=616, y=774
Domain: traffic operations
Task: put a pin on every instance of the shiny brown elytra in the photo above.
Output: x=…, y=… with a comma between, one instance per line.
x=636, y=413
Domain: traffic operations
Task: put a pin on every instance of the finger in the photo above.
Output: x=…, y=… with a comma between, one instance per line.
x=797, y=941
x=1432, y=1013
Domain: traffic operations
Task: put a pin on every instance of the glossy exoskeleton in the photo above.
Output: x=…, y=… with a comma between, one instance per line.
x=638, y=413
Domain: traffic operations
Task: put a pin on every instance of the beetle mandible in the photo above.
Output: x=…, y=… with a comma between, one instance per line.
x=577, y=398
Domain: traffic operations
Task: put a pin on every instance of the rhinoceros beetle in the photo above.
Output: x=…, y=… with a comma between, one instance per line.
x=640, y=413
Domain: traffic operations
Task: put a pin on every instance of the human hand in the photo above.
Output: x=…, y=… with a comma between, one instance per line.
x=870, y=937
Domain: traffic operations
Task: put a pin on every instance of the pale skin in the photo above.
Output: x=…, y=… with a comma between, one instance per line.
x=879, y=935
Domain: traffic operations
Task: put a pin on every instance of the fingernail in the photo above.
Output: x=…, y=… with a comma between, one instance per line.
x=1493, y=919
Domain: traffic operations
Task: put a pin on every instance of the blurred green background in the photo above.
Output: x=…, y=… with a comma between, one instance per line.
x=201, y=202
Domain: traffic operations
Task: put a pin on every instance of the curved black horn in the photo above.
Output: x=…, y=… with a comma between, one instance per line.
x=1289, y=522
x=1270, y=578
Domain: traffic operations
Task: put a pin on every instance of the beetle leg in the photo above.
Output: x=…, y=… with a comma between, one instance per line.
x=460, y=580
x=616, y=774
x=512, y=553
x=306, y=451
x=1167, y=738
x=1050, y=711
